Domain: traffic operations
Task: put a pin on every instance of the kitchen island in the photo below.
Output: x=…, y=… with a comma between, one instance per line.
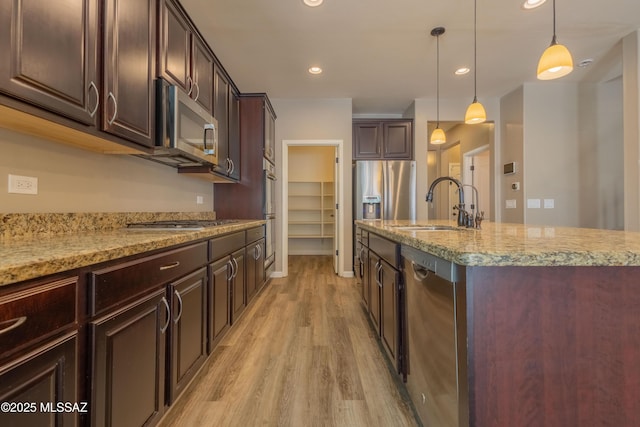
x=544, y=324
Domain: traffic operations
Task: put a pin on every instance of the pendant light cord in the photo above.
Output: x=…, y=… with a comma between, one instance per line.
x=475, y=50
x=438, y=81
x=553, y=40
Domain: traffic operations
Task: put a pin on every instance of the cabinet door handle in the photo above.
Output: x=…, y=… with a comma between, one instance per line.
x=379, y=274
x=189, y=85
x=228, y=162
x=177, y=294
x=197, y=90
x=230, y=276
x=166, y=325
x=169, y=266
x=235, y=270
x=233, y=166
x=95, y=88
x=115, y=108
x=11, y=324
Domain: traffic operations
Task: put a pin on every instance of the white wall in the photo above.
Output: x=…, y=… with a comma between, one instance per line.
x=75, y=180
x=306, y=119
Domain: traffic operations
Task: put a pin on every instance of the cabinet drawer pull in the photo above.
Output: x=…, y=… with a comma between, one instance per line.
x=115, y=108
x=95, y=88
x=170, y=266
x=177, y=294
x=11, y=324
x=168, y=321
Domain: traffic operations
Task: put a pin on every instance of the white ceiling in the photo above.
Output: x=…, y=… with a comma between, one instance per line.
x=380, y=52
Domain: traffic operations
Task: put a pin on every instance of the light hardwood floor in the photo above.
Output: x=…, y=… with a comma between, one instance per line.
x=302, y=354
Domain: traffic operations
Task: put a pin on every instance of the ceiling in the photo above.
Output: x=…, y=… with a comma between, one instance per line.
x=380, y=52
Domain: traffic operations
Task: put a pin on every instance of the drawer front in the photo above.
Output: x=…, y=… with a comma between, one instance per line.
x=224, y=245
x=254, y=234
x=119, y=283
x=30, y=315
x=386, y=249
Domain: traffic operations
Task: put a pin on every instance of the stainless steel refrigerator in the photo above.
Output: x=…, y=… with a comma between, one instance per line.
x=384, y=189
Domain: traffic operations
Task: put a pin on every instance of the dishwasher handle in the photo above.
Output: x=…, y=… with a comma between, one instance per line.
x=419, y=272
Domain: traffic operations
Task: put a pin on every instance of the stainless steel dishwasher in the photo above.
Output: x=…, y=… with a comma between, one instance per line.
x=436, y=338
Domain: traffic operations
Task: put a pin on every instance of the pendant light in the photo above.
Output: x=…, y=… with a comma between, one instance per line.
x=556, y=60
x=475, y=112
x=438, y=136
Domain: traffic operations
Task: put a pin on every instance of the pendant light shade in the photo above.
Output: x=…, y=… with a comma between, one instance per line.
x=556, y=60
x=475, y=112
x=438, y=136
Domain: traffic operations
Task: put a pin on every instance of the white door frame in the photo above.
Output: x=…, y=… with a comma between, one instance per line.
x=284, y=242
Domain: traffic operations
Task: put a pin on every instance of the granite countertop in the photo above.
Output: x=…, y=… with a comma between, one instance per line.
x=503, y=244
x=32, y=254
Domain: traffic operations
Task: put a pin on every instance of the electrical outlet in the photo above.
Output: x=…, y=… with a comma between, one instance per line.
x=23, y=184
x=199, y=200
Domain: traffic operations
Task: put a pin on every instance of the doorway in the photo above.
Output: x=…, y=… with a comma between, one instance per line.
x=477, y=168
x=312, y=192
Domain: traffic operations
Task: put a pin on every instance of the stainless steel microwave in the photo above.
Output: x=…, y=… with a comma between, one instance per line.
x=186, y=133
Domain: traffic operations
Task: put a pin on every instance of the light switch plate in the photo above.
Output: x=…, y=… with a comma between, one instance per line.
x=549, y=203
x=510, y=204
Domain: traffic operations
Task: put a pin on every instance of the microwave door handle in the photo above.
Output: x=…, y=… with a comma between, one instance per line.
x=207, y=127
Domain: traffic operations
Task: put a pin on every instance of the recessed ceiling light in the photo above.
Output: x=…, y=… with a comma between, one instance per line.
x=462, y=71
x=315, y=70
x=313, y=3
x=532, y=4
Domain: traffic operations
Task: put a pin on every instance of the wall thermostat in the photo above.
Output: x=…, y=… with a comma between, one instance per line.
x=509, y=168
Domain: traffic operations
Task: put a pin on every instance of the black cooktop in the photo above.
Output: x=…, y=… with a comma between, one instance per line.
x=187, y=224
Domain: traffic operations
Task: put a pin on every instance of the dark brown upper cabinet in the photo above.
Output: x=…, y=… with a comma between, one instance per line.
x=383, y=139
x=128, y=94
x=184, y=59
x=49, y=56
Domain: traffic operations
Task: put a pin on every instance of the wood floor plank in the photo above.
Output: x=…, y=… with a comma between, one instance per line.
x=302, y=354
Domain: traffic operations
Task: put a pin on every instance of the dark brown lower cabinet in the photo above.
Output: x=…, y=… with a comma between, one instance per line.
x=219, y=301
x=255, y=268
x=389, y=317
x=238, y=285
x=128, y=366
x=374, y=285
x=188, y=331
x=32, y=386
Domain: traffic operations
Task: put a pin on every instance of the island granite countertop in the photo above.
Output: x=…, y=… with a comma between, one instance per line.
x=506, y=244
x=31, y=254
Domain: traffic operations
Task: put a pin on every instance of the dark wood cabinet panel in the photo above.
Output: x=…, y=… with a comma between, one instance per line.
x=128, y=363
x=367, y=141
x=202, y=72
x=389, y=316
x=397, y=140
x=374, y=285
x=45, y=376
x=49, y=55
x=221, y=113
x=238, y=285
x=245, y=199
x=188, y=331
x=128, y=94
x=383, y=139
x=255, y=268
x=175, y=46
x=219, y=301
x=234, y=135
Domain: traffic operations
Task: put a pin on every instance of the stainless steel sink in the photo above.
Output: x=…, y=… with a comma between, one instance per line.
x=427, y=228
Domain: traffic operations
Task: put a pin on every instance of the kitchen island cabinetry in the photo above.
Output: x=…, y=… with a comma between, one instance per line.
x=389, y=139
x=50, y=60
x=521, y=325
x=38, y=354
